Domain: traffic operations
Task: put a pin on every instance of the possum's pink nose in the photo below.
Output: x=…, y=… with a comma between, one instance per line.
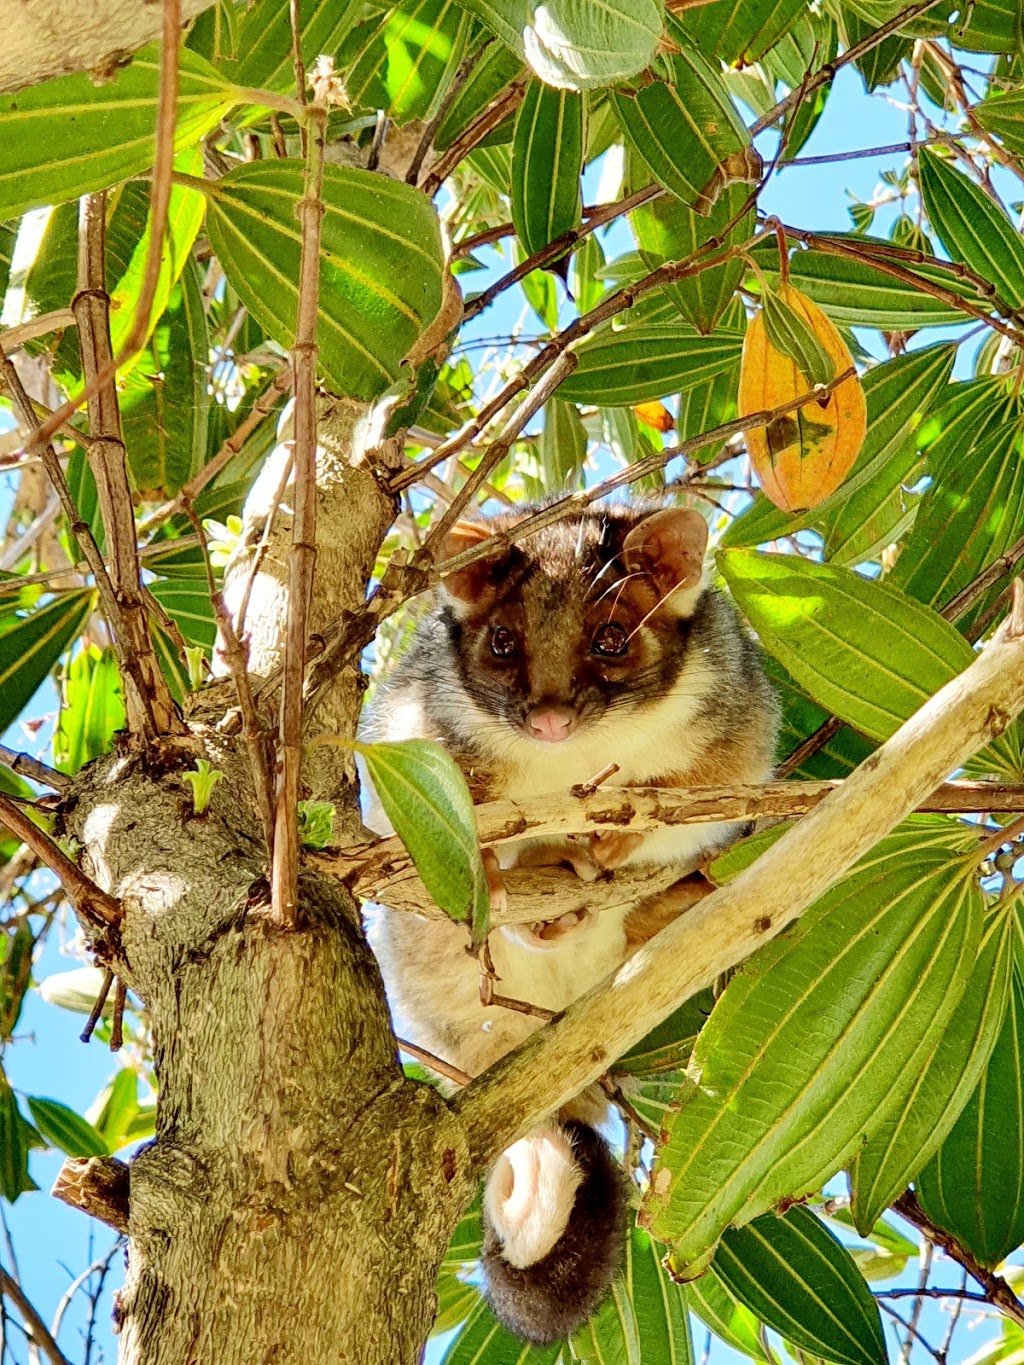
x=550, y=723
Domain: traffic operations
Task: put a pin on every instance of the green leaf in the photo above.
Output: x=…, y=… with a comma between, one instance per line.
x=802, y=718
x=165, y=400
x=482, y=1338
x=863, y=650
x=1003, y=115
x=186, y=601
x=880, y=65
x=668, y=1047
x=611, y=1336
x=972, y=227
x=855, y=294
x=184, y=219
x=16, y=950
x=972, y=512
x=647, y=360
x=739, y=34
x=424, y=795
x=547, y=162
x=97, y=134
x=13, y=1151
x=659, y=1305
x=403, y=62
x=789, y=333
x=261, y=46
x=92, y=709
x=807, y=1049
x=64, y=1129
x=714, y=1303
x=31, y=644
x=380, y=268
x=896, y=1152
x=492, y=73
x=685, y=129
x=115, y=1107
x=800, y=1280
x=575, y=44
x=667, y=230
x=899, y=394
x=974, y=1186
x=562, y=448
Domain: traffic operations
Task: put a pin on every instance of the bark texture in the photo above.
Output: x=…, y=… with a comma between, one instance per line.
x=43, y=39
x=299, y=1193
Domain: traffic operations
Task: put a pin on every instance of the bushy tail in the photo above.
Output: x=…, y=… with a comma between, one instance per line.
x=554, y=1228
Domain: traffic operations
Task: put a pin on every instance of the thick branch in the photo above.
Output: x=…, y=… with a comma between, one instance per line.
x=98, y=1185
x=997, y=1291
x=370, y=868
x=726, y=927
x=89, y=900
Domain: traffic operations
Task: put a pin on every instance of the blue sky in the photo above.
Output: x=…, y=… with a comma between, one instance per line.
x=54, y=1243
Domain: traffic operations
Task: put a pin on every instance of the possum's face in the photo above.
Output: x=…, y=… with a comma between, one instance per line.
x=588, y=619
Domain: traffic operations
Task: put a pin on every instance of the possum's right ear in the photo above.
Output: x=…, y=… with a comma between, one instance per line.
x=466, y=585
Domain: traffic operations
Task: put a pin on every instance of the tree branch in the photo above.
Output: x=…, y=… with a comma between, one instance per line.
x=98, y=1185
x=997, y=1291
x=36, y=1328
x=524, y=1087
x=90, y=901
x=26, y=766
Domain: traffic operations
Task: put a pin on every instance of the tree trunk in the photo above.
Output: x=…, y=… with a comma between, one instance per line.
x=300, y=1193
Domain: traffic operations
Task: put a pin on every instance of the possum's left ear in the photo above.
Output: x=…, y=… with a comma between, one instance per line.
x=670, y=547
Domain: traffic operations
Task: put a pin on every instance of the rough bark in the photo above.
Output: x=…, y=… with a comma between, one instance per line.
x=299, y=1193
x=43, y=40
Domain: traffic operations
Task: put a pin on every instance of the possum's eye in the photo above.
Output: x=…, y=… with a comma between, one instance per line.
x=611, y=640
x=504, y=644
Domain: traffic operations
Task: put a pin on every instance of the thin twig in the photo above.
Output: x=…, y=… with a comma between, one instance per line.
x=506, y=102
x=438, y=1064
x=26, y=766
x=117, y=1022
x=97, y=1005
x=302, y=557
x=89, y=900
x=925, y=1270
x=911, y=1330
x=101, y=1263
x=150, y=708
x=34, y=1325
x=466, y=68
x=995, y=841
x=235, y=655
x=14, y=337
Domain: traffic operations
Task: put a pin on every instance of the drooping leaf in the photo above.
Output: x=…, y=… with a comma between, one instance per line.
x=974, y=1186
x=115, y=1107
x=791, y=335
x=547, y=162
x=972, y=512
x=612, y=1335
x=563, y=445
x=862, y=649
x=425, y=797
x=659, y=1305
x=799, y=1279
x=643, y=361
x=901, y=1146
x=16, y=948
x=380, y=270
x=64, y=1129
x=683, y=130
x=97, y=135
x=717, y=1307
x=972, y=227
x=668, y=230
x=495, y=69
x=92, y=709
x=13, y=1151
x=836, y=1012
x=575, y=44
x=880, y=64
x=31, y=644
x=482, y=1337
x=1003, y=115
